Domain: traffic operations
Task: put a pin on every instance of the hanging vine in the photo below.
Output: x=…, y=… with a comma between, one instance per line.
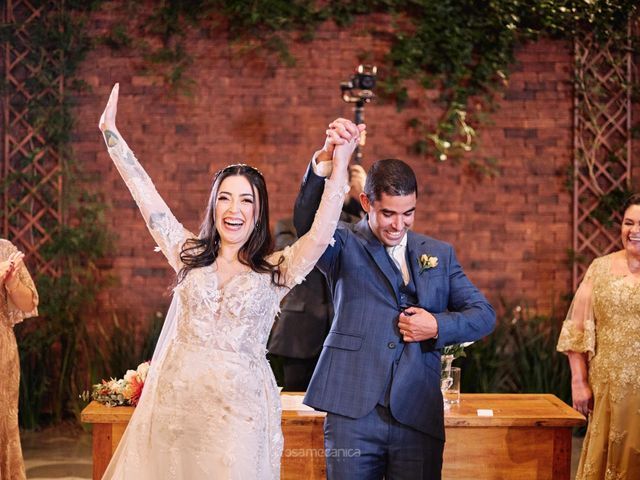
x=462, y=48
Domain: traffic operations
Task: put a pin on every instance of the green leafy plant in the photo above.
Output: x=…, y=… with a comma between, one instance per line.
x=518, y=357
x=609, y=206
x=464, y=49
x=60, y=340
x=57, y=352
x=127, y=343
x=455, y=351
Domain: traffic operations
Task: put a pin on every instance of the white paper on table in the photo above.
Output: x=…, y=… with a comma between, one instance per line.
x=485, y=412
x=294, y=402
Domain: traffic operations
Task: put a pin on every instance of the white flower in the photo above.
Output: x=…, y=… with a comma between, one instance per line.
x=143, y=369
x=129, y=375
x=116, y=386
x=427, y=262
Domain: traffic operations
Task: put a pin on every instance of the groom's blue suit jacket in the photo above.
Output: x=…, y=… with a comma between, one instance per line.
x=353, y=371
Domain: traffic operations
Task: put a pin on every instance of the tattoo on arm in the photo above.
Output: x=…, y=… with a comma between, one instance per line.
x=156, y=220
x=111, y=138
x=129, y=158
x=135, y=170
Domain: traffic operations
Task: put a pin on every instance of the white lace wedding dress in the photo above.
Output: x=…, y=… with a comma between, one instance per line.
x=210, y=408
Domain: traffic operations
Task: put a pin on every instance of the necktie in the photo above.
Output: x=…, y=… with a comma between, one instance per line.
x=397, y=254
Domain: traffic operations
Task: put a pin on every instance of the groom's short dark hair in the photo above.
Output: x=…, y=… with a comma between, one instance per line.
x=390, y=176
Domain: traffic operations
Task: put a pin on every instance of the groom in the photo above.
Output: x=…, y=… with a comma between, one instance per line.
x=399, y=297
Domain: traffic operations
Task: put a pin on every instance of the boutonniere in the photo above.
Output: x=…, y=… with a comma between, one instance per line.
x=427, y=262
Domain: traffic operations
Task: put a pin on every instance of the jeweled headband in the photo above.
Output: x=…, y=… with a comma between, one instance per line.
x=236, y=165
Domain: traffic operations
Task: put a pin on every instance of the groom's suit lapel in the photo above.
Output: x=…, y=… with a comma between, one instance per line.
x=376, y=250
x=416, y=247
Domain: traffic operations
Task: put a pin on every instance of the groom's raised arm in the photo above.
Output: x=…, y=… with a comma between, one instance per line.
x=308, y=200
x=339, y=132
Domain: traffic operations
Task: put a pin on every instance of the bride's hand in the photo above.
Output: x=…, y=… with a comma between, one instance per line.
x=350, y=137
x=107, y=122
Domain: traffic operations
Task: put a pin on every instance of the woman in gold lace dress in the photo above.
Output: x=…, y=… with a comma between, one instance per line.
x=18, y=300
x=601, y=337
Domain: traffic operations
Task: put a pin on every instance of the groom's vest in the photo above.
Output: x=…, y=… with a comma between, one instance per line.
x=408, y=297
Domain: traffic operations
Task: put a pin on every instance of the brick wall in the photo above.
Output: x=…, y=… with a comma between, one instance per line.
x=511, y=232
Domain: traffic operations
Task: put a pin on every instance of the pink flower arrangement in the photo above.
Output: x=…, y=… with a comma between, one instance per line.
x=125, y=391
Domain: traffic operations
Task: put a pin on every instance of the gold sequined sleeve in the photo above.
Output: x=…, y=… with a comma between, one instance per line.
x=578, y=332
x=15, y=314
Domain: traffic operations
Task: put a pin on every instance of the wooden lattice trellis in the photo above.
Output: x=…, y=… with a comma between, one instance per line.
x=602, y=144
x=31, y=167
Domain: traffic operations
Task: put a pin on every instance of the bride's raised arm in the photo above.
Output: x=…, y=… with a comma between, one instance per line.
x=301, y=257
x=168, y=233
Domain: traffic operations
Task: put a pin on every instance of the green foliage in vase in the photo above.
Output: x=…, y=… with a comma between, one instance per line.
x=455, y=351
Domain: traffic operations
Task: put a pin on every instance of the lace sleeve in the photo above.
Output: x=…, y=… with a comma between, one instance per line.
x=15, y=314
x=168, y=233
x=578, y=332
x=299, y=259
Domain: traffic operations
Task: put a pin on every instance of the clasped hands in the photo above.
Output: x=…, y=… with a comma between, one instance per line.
x=342, y=138
x=416, y=324
x=8, y=269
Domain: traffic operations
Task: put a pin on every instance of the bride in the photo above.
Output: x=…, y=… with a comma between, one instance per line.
x=210, y=406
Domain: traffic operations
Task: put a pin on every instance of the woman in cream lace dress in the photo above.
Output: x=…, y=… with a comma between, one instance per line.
x=601, y=336
x=210, y=408
x=18, y=300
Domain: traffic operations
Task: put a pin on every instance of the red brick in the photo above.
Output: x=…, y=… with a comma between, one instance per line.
x=511, y=232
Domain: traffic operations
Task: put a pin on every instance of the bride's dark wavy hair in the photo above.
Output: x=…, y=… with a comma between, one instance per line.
x=203, y=251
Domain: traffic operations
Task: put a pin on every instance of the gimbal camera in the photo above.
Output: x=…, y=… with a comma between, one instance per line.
x=359, y=90
x=360, y=87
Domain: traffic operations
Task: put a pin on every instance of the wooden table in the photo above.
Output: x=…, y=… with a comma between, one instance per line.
x=528, y=437
x=109, y=424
